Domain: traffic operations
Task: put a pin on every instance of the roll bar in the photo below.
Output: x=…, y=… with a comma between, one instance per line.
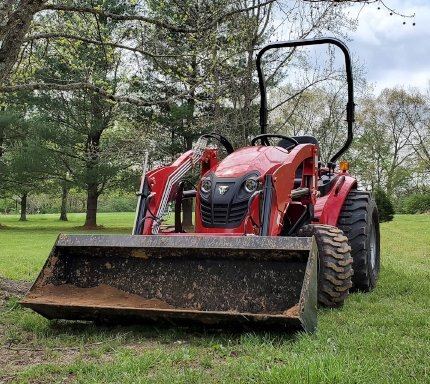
x=350, y=106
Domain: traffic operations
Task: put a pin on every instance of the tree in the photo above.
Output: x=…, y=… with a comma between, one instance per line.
x=23, y=166
x=419, y=119
x=319, y=112
x=76, y=122
x=17, y=27
x=15, y=21
x=388, y=123
x=385, y=206
x=16, y=18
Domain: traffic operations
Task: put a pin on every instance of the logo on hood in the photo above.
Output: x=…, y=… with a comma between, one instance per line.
x=223, y=189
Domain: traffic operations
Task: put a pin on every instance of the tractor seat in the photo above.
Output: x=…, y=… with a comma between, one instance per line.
x=300, y=139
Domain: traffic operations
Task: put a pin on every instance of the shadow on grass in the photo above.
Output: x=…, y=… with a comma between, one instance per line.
x=169, y=333
x=395, y=285
x=89, y=228
x=164, y=332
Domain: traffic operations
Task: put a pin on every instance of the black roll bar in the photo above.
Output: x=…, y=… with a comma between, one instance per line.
x=350, y=106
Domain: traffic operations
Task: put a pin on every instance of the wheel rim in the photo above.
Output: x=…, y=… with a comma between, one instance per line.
x=372, y=245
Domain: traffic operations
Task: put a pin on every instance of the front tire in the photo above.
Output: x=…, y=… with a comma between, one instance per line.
x=334, y=263
x=359, y=221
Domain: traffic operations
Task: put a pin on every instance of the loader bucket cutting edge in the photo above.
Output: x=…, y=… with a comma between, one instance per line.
x=246, y=281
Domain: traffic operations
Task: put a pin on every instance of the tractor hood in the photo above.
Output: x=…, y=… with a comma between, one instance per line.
x=223, y=195
x=249, y=159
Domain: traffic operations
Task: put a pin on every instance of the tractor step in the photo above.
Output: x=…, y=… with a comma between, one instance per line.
x=225, y=280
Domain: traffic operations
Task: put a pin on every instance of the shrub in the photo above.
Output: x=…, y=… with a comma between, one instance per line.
x=117, y=204
x=416, y=203
x=384, y=204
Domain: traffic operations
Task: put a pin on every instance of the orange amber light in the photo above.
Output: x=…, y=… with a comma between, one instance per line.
x=344, y=166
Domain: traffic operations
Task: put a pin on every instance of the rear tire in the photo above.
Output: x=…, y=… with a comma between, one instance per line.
x=359, y=221
x=334, y=263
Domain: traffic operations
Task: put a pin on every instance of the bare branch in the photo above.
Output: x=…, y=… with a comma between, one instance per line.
x=90, y=87
x=298, y=93
x=365, y=2
x=59, y=35
x=149, y=20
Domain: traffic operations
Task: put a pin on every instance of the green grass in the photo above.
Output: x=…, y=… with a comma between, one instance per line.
x=381, y=337
x=25, y=245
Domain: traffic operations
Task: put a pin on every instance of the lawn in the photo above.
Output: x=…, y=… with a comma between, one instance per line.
x=381, y=337
x=24, y=246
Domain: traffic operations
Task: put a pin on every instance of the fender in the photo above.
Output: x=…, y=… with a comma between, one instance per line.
x=327, y=208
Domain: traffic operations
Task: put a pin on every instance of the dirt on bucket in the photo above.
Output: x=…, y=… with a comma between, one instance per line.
x=100, y=296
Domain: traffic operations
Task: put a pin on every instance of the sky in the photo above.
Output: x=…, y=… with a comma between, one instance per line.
x=393, y=53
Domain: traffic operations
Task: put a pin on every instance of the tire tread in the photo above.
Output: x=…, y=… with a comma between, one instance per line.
x=335, y=263
x=354, y=222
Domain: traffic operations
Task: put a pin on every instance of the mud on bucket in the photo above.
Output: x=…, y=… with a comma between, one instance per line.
x=228, y=281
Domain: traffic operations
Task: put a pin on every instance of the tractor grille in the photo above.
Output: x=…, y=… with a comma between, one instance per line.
x=206, y=212
x=222, y=214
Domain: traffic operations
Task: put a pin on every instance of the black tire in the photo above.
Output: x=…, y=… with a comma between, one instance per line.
x=359, y=221
x=334, y=263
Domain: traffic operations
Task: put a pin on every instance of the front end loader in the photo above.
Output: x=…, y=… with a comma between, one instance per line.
x=275, y=234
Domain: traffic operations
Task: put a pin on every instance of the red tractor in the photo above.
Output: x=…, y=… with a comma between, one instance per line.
x=275, y=234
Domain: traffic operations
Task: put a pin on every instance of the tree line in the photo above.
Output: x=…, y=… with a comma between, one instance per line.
x=88, y=87
x=390, y=151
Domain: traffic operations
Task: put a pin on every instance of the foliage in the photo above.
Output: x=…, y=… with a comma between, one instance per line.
x=384, y=204
x=79, y=133
x=118, y=203
x=8, y=205
x=112, y=79
x=416, y=203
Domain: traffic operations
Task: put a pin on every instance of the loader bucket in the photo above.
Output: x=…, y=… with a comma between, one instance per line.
x=249, y=281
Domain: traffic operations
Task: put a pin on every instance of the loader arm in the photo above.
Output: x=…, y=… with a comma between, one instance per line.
x=158, y=186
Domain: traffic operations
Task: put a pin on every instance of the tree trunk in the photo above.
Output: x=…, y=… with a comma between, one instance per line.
x=2, y=134
x=64, y=195
x=13, y=28
x=2, y=131
x=187, y=213
x=98, y=125
x=23, y=216
x=92, y=199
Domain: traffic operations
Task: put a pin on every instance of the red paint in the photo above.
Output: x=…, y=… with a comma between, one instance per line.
x=327, y=208
x=209, y=160
x=248, y=159
x=267, y=160
x=275, y=161
x=157, y=180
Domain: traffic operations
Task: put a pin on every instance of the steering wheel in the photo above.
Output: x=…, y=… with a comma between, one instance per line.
x=264, y=140
x=225, y=143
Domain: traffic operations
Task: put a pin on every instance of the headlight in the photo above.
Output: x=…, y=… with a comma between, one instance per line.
x=250, y=185
x=206, y=185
